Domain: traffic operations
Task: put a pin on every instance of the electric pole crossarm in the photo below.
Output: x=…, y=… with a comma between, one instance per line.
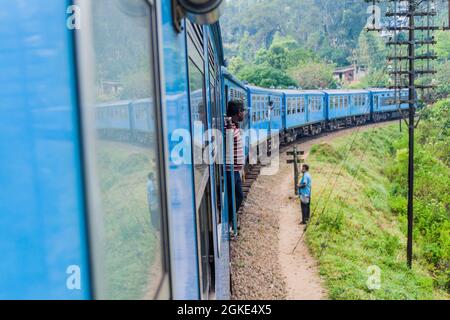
x=418, y=57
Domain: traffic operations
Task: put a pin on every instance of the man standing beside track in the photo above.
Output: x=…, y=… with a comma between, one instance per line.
x=235, y=111
x=304, y=190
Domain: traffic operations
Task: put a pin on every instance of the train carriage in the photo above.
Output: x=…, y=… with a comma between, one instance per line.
x=385, y=103
x=265, y=115
x=113, y=116
x=303, y=113
x=347, y=107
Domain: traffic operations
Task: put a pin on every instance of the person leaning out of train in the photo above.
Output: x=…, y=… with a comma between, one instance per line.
x=235, y=113
x=304, y=191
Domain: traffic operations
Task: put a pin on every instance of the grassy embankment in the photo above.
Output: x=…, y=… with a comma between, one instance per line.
x=363, y=224
x=130, y=240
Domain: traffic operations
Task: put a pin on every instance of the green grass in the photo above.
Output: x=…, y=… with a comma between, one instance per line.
x=130, y=243
x=354, y=227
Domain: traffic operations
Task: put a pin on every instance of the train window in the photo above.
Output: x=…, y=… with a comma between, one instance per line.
x=266, y=107
x=257, y=108
x=124, y=162
x=260, y=111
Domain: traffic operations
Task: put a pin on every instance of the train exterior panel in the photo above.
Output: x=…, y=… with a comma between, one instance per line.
x=43, y=238
x=384, y=104
x=265, y=112
x=316, y=108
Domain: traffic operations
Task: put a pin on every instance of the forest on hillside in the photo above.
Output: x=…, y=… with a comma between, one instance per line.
x=291, y=43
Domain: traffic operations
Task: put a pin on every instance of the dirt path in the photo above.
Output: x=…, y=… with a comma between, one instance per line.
x=263, y=265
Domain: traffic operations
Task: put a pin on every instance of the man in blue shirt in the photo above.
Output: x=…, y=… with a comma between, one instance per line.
x=304, y=190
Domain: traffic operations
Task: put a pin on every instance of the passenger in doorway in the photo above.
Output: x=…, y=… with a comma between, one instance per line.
x=235, y=113
x=304, y=190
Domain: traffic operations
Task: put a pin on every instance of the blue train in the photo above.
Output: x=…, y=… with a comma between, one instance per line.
x=112, y=114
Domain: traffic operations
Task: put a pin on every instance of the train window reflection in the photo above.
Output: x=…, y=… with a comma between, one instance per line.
x=199, y=117
x=125, y=159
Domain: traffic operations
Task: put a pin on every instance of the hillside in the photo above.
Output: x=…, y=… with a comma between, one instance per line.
x=329, y=28
x=359, y=222
x=291, y=43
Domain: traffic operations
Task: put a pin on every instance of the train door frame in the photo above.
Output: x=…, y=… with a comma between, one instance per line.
x=83, y=55
x=230, y=190
x=216, y=170
x=195, y=39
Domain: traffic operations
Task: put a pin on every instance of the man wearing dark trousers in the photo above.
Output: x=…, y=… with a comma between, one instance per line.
x=304, y=190
x=235, y=112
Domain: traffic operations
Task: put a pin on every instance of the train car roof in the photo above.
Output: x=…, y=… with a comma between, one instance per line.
x=345, y=91
x=299, y=92
x=114, y=103
x=380, y=90
x=264, y=90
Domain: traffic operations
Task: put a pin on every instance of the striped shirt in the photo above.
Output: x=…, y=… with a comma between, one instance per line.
x=237, y=147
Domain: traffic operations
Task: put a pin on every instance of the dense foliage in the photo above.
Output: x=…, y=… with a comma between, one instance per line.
x=307, y=39
x=359, y=222
x=329, y=28
x=432, y=189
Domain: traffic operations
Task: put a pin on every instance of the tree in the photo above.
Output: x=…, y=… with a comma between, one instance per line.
x=312, y=24
x=314, y=75
x=443, y=45
x=371, y=51
x=235, y=65
x=265, y=76
x=443, y=80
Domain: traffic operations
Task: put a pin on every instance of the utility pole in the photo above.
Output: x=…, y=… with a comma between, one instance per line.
x=416, y=18
x=295, y=161
x=411, y=125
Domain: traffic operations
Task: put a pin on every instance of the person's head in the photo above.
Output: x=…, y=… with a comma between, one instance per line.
x=235, y=110
x=305, y=168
